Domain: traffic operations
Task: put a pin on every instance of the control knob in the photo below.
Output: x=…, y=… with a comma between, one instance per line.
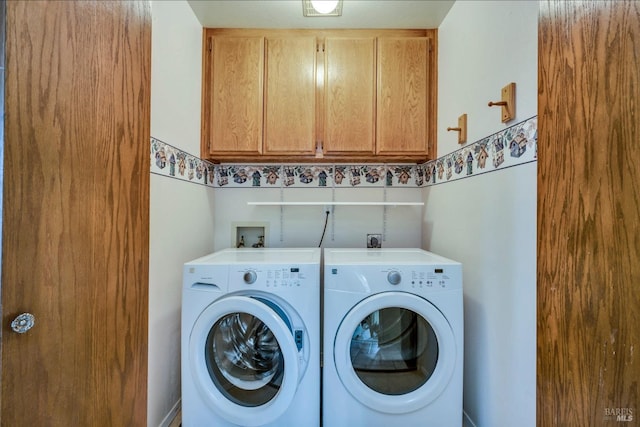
x=249, y=277
x=394, y=277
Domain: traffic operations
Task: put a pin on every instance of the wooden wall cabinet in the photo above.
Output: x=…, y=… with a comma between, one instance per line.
x=403, y=95
x=290, y=96
x=319, y=95
x=349, y=96
x=233, y=86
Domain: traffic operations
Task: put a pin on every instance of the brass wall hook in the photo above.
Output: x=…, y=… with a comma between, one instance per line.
x=508, y=102
x=461, y=129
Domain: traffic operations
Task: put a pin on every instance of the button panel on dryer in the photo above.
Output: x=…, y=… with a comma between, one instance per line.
x=431, y=279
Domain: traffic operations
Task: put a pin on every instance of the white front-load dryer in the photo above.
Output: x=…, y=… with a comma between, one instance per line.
x=393, y=339
x=251, y=338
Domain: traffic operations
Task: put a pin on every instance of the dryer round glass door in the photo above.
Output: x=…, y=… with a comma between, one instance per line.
x=244, y=360
x=395, y=352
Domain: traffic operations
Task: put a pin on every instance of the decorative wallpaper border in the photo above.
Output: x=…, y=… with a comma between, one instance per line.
x=515, y=145
x=509, y=147
x=318, y=176
x=171, y=161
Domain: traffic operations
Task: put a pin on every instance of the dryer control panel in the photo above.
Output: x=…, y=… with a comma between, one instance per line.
x=419, y=278
x=430, y=278
x=407, y=278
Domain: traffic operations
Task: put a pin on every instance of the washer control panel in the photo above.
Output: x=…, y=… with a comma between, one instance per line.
x=269, y=277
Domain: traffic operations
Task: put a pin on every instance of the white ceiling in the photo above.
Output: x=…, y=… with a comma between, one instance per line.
x=288, y=14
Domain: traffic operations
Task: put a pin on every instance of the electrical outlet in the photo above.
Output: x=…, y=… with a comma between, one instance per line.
x=374, y=240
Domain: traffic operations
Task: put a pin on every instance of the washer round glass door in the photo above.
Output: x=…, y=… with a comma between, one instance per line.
x=244, y=360
x=395, y=352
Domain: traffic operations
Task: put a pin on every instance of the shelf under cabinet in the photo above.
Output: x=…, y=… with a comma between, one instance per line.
x=335, y=203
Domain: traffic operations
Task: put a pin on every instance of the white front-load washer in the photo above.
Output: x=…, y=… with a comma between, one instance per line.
x=251, y=338
x=393, y=339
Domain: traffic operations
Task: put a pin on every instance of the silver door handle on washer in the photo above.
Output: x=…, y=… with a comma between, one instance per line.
x=23, y=323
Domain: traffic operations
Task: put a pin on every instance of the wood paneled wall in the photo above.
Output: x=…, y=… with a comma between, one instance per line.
x=588, y=213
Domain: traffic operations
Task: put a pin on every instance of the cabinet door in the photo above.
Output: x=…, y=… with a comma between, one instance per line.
x=233, y=95
x=290, y=96
x=349, y=123
x=403, y=93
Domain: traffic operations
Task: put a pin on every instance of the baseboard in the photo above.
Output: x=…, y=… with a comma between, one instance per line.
x=466, y=420
x=172, y=414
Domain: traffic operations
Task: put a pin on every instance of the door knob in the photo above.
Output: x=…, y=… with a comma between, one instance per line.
x=23, y=323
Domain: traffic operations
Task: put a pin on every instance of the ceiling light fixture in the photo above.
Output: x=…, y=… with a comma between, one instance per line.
x=322, y=7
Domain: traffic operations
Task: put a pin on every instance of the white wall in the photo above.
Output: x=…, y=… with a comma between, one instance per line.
x=181, y=212
x=488, y=221
x=299, y=226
